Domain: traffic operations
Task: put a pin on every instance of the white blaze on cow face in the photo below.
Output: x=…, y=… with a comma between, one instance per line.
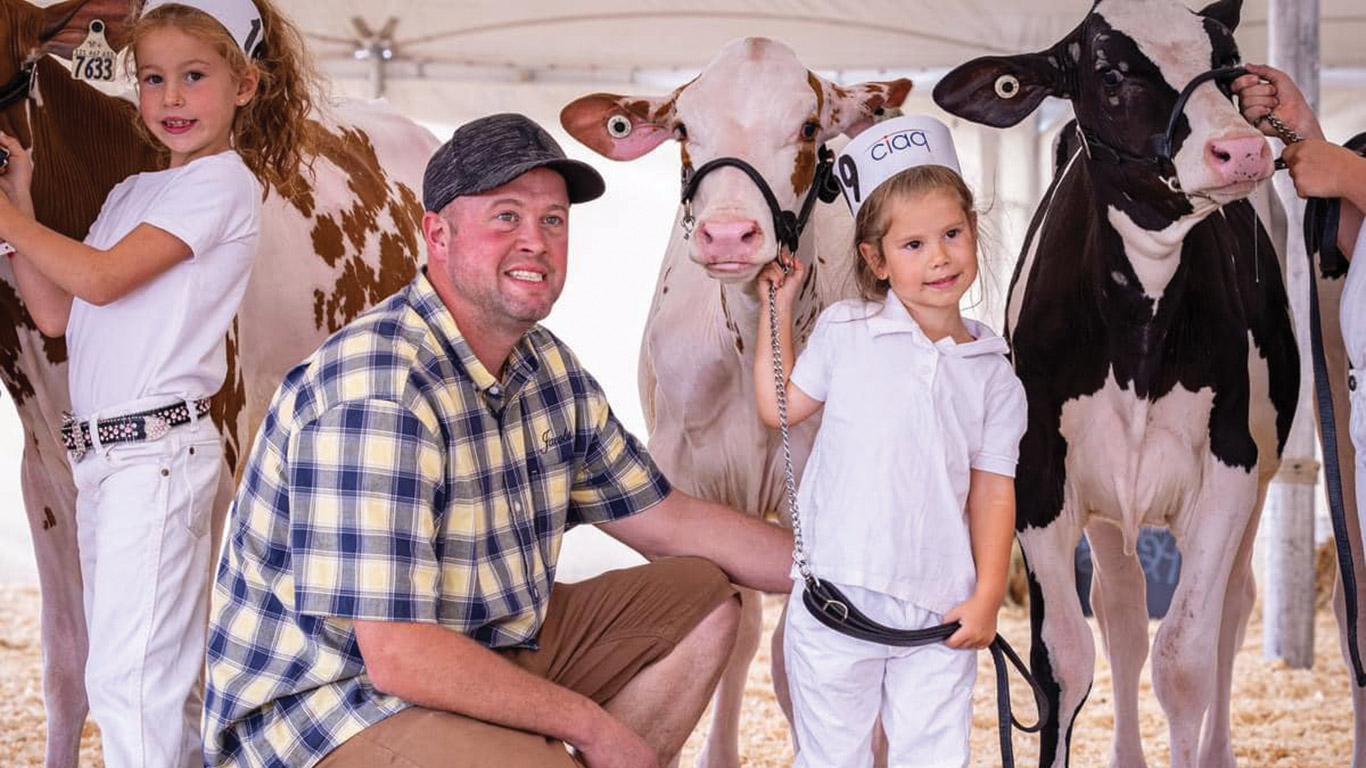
x=761, y=124
x=1223, y=156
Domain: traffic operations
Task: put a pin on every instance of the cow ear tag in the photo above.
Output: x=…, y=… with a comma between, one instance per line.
x=619, y=126
x=1007, y=86
x=93, y=59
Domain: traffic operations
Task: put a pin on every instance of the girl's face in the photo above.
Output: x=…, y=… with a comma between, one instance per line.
x=187, y=93
x=929, y=253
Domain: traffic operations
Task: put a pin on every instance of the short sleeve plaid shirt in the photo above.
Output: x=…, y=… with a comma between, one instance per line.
x=395, y=479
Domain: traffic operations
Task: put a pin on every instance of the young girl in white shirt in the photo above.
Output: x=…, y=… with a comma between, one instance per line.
x=907, y=503
x=145, y=304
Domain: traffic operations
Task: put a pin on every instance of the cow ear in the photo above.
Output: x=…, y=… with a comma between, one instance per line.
x=619, y=127
x=65, y=25
x=855, y=107
x=1000, y=91
x=1226, y=12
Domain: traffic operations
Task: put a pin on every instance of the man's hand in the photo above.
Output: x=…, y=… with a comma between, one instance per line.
x=977, y=615
x=616, y=746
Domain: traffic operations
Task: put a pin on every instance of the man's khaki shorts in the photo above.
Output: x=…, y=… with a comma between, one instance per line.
x=597, y=635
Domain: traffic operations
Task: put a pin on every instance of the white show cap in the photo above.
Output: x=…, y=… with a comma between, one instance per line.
x=885, y=149
x=239, y=17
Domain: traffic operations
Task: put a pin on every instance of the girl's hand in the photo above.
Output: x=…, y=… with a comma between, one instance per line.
x=16, y=177
x=788, y=284
x=1265, y=90
x=977, y=615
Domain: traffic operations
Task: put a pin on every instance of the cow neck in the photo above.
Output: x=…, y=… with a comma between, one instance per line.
x=78, y=161
x=741, y=303
x=1148, y=223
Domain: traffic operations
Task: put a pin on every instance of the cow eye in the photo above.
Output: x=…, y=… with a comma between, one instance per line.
x=810, y=129
x=619, y=126
x=1111, y=77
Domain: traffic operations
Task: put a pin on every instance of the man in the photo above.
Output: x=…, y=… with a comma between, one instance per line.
x=386, y=595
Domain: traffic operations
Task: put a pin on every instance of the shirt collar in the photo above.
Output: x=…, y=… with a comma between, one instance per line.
x=522, y=363
x=893, y=317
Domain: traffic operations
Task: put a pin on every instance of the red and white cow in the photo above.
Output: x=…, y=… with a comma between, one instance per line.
x=336, y=242
x=755, y=102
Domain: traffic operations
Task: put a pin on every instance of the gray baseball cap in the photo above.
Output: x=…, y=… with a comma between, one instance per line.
x=491, y=151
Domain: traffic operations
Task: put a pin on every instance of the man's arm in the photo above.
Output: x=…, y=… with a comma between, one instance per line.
x=438, y=668
x=752, y=552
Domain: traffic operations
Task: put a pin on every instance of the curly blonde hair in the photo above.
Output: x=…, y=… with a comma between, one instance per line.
x=270, y=131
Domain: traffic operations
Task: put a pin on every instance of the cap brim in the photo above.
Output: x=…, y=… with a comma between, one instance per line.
x=581, y=180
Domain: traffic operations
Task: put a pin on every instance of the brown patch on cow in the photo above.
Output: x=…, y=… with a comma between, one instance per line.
x=739, y=344
x=11, y=346
x=359, y=286
x=664, y=289
x=227, y=406
x=805, y=171
x=683, y=154
x=49, y=519
x=815, y=83
x=327, y=240
x=640, y=108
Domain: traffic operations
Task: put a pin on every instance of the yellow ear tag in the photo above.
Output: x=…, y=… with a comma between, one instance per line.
x=93, y=59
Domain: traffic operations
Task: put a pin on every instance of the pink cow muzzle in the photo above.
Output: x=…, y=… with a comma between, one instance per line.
x=1239, y=160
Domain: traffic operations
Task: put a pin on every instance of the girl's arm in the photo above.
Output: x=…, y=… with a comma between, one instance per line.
x=799, y=404
x=991, y=524
x=51, y=268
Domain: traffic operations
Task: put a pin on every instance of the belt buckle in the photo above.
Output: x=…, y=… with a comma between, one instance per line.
x=79, y=446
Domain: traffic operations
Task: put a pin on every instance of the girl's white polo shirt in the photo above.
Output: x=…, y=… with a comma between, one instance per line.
x=906, y=419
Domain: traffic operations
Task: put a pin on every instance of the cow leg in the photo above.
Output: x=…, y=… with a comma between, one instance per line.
x=1210, y=538
x=1119, y=600
x=52, y=523
x=722, y=748
x=1062, y=653
x=1216, y=747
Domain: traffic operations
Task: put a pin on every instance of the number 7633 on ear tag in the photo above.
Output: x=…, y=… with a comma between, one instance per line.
x=93, y=59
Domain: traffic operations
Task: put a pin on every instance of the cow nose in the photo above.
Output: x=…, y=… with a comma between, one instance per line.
x=1238, y=160
x=728, y=240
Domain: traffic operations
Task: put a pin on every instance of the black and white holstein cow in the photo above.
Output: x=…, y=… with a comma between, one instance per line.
x=1149, y=322
x=757, y=103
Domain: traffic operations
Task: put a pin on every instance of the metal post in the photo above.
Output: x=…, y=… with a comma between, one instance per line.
x=1288, y=607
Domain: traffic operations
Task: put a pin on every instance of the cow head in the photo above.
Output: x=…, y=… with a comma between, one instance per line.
x=754, y=102
x=1123, y=68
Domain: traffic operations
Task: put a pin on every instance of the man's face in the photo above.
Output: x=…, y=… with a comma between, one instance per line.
x=505, y=250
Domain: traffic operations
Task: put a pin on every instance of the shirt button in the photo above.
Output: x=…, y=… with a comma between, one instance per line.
x=517, y=507
x=494, y=390
x=1352, y=383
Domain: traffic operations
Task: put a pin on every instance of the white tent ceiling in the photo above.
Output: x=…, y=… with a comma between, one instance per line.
x=616, y=36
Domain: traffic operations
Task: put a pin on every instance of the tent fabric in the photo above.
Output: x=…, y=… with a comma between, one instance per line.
x=622, y=35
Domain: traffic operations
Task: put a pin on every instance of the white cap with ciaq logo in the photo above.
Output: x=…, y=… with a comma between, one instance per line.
x=885, y=149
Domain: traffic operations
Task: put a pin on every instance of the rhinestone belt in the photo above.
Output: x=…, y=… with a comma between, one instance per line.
x=129, y=428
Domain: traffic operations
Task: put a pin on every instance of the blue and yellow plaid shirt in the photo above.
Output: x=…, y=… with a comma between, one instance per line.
x=395, y=479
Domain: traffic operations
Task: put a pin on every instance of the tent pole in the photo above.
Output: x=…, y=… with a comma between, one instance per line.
x=1288, y=608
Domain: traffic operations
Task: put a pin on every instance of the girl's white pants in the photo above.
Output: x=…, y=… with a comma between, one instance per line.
x=142, y=518
x=840, y=685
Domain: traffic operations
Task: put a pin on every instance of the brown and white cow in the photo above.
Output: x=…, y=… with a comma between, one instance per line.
x=755, y=102
x=336, y=242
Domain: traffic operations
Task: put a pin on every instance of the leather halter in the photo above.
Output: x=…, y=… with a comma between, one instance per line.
x=17, y=88
x=787, y=225
x=1159, y=145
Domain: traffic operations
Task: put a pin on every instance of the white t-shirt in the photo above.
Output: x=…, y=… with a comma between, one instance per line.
x=883, y=498
x=167, y=336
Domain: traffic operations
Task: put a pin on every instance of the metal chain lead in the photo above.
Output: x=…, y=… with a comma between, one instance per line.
x=1287, y=134
x=798, y=553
